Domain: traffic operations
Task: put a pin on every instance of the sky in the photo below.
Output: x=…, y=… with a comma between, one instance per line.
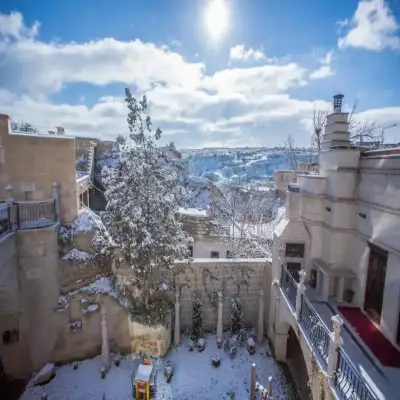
x=215, y=72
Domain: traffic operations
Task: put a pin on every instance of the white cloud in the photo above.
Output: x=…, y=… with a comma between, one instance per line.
x=239, y=53
x=326, y=69
x=373, y=27
x=234, y=106
x=12, y=26
x=322, y=72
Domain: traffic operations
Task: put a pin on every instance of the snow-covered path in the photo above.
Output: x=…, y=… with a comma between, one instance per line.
x=194, y=377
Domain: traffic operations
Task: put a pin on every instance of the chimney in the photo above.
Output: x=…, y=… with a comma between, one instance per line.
x=337, y=103
x=336, y=133
x=60, y=131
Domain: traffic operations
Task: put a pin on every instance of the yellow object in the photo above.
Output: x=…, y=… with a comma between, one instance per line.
x=142, y=380
x=142, y=391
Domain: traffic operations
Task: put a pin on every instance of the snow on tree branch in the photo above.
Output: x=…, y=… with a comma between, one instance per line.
x=143, y=194
x=244, y=220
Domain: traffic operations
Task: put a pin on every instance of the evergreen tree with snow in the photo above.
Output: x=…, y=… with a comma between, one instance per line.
x=236, y=314
x=197, y=320
x=143, y=195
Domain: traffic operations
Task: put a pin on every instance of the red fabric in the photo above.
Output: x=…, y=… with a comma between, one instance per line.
x=383, y=350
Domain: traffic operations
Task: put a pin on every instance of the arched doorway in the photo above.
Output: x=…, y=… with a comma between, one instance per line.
x=297, y=365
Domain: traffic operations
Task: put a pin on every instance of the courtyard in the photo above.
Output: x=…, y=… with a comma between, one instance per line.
x=194, y=376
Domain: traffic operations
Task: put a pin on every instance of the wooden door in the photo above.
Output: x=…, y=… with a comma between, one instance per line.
x=375, y=283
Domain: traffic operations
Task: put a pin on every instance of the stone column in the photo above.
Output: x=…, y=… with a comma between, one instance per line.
x=177, y=329
x=219, y=320
x=253, y=382
x=10, y=203
x=336, y=342
x=260, y=325
x=325, y=287
x=340, y=290
x=105, y=349
x=56, y=196
x=301, y=288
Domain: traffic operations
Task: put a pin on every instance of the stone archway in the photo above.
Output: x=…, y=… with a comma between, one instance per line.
x=297, y=365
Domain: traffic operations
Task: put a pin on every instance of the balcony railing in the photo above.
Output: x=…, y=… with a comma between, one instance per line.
x=27, y=215
x=315, y=328
x=347, y=382
x=36, y=214
x=289, y=287
x=5, y=219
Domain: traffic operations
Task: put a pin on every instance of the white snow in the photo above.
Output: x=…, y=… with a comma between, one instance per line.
x=92, y=308
x=193, y=212
x=194, y=377
x=77, y=255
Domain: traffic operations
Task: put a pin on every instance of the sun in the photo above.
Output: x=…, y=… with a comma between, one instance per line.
x=216, y=18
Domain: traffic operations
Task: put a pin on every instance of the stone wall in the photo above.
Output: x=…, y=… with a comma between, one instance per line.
x=124, y=335
x=205, y=277
x=31, y=163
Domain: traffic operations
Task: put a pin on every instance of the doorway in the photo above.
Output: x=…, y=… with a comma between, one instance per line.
x=375, y=285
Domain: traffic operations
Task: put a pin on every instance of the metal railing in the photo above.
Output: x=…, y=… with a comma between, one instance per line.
x=289, y=286
x=5, y=219
x=347, y=381
x=316, y=329
x=36, y=214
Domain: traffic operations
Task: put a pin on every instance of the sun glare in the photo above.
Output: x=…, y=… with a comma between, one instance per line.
x=216, y=18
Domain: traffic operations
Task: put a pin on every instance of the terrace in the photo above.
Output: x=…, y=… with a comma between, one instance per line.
x=23, y=215
x=352, y=370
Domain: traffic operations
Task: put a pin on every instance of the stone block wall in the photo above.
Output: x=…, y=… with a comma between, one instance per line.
x=31, y=163
x=204, y=278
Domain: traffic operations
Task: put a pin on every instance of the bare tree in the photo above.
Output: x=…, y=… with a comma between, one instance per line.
x=23, y=127
x=244, y=221
x=319, y=119
x=361, y=130
x=291, y=153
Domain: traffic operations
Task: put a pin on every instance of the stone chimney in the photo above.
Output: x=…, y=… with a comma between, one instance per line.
x=336, y=133
x=60, y=131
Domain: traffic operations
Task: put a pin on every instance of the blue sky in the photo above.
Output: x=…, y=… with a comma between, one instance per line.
x=252, y=83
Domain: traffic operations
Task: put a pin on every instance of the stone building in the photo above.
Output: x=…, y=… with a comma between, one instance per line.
x=336, y=262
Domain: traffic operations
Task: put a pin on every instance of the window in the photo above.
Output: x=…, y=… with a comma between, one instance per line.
x=10, y=336
x=294, y=269
x=215, y=254
x=295, y=250
x=228, y=254
x=191, y=251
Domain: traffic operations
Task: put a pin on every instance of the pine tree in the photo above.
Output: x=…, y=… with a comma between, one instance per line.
x=197, y=320
x=143, y=195
x=236, y=314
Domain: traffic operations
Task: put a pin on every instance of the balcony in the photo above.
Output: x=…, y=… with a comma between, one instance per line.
x=25, y=215
x=350, y=374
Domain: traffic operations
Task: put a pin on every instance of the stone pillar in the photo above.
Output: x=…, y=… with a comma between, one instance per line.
x=336, y=342
x=260, y=325
x=10, y=203
x=319, y=281
x=177, y=329
x=253, y=382
x=340, y=290
x=301, y=288
x=325, y=287
x=219, y=320
x=105, y=349
x=56, y=196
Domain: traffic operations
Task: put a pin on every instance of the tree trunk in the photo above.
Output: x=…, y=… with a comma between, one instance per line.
x=146, y=293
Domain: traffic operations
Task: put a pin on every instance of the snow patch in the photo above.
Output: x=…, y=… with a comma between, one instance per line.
x=76, y=255
x=193, y=212
x=194, y=377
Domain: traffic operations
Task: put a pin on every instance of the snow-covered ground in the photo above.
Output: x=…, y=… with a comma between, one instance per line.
x=194, y=377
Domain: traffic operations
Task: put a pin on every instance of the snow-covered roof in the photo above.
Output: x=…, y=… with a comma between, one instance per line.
x=193, y=212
